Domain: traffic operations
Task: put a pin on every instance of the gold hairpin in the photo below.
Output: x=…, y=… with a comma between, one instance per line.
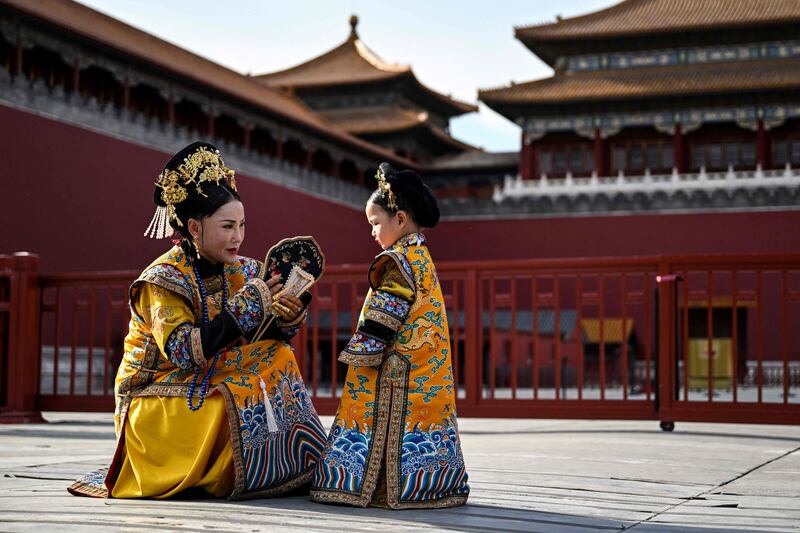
x=173, y=185
x=386, y=190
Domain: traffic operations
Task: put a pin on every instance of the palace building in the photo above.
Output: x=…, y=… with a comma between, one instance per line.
x=385, y=104
x=683, y=116
x=380, y=102
x=681, y=104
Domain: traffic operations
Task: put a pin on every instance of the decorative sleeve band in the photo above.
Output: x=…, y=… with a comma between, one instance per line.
x=183, y=347
x=363, y=350
x=250, y=305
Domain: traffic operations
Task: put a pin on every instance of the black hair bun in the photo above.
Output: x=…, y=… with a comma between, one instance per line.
x=418, y=197
x=175, y=161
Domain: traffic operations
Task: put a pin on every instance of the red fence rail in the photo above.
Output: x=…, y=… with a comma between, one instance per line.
x=712, y=338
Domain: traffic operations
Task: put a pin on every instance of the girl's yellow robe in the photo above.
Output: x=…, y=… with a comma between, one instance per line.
x=257, y=433
x=394, y=441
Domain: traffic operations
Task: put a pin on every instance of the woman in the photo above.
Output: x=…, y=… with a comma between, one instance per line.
x=198, y=407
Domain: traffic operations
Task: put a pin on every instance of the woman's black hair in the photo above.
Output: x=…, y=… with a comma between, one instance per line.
x=198, y=206
x=412, y=195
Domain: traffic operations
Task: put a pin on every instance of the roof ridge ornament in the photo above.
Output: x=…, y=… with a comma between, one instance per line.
x=353, y=26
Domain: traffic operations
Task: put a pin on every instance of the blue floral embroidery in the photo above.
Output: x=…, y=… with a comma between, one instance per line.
x=390, y=304
x=179, y=346
x=412, y=239
x=246, y=308
x=362, y=344
x=245, y=266
x=170, y=274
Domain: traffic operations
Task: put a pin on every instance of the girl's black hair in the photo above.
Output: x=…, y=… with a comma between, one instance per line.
x=412, y=195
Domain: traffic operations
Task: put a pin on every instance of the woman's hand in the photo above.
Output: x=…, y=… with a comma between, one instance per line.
x=288, y=308
x=274, y=284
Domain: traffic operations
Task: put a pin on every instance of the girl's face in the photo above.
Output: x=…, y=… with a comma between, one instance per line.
x=219, y=236
x=386, y=228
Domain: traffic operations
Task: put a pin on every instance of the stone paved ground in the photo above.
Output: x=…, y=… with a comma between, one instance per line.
x=526, y=475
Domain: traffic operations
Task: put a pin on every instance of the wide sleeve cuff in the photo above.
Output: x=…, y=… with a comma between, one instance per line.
x=363, y=350
x=290, y=329
x=250, y=305
x=183, y=347
x=387, y=309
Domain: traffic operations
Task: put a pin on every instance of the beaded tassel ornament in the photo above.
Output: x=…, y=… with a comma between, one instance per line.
x=159, y=227
x=210, y=373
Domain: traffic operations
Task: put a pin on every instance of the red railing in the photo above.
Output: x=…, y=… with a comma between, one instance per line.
x=668, y=338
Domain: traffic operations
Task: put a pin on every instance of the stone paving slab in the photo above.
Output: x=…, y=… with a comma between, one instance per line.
x=526, y=475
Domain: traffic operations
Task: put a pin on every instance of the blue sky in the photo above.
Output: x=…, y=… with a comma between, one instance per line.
x=454, y=47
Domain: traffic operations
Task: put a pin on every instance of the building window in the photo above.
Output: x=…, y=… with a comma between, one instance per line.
x=635, y=157
x=719, y=156
x=545, y=162
x=556, y=162
x=786, y=151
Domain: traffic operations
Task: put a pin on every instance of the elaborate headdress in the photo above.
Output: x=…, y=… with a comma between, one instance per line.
x=183, y=175
x=384, y=170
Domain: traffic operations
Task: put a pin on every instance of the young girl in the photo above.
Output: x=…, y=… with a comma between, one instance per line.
x=394, y=442
x=199, y=407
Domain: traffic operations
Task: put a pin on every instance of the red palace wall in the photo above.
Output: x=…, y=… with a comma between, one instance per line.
x=612, y=236
x=82, y=200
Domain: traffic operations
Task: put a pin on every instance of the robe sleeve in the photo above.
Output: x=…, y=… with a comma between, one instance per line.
x=387, y=306
x=184, y=342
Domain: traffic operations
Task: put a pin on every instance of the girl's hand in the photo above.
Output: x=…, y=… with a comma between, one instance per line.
x=289, y=308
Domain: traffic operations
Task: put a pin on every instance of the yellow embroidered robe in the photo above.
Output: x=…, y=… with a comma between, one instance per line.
x=394, y=441
x=232, y=446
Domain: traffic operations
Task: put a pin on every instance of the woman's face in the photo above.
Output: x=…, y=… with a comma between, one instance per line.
x=218, y=237
x=386, y=228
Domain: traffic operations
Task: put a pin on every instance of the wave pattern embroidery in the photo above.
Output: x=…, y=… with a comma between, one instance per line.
x=270, y=459
x=342, y=465
x=432, y=464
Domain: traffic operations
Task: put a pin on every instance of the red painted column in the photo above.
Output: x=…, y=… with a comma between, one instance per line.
x=309, y=159
x=247, y=128
x=22, y=375
x=279, y=148
x=171, y=110
x=126, y=94
x=524, y=149
x=677, y=149
x=19, y=55
x=336, y=169
x=76, y=75
x=762, y=148
x=211, y=123
x=598, y=152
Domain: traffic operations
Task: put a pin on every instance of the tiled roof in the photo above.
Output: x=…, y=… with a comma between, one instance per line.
x=676, y=80
x=150, y=49
x=366, y=121
x=351, y=63
x=476, y=159
x=376, y=119
x=648, y=16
